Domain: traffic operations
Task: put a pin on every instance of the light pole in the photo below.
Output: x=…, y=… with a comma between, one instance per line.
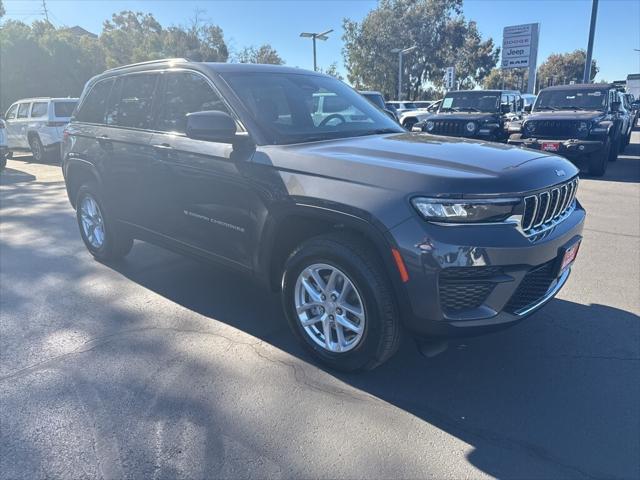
x=400, y=53
x=592, y=31
x=314, y=36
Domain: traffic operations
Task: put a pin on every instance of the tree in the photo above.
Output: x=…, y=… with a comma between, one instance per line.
x=264, y=54
x=512, y=79
x=562, y=68
x=41, y=60
x=436, y=27
x=332, y=70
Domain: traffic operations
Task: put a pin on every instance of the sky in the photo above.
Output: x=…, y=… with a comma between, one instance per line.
x=564, y=24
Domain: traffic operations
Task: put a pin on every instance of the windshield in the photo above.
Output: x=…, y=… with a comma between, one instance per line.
x=295, y=108
x=470, y=102
x=64, y=109
x=571, y=99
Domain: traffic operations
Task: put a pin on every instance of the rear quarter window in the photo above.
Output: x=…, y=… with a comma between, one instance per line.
x=94, y=105
x=64, y=109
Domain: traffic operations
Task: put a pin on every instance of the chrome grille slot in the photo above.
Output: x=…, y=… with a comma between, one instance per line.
x=548, y=207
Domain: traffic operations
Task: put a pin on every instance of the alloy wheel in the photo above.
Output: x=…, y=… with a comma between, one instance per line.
x=329, y=308
x=92, y=222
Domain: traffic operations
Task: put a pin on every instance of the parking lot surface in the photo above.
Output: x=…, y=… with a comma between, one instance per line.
x=163, y=367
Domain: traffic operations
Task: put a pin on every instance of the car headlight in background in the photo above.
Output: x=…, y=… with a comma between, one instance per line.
x=529, y=127
x=430, y=125
x=471, y=127
x=464, y=211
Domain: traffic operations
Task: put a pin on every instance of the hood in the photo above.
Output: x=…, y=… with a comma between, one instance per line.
x=418, y=163
x=580, y=115
x=464, y=116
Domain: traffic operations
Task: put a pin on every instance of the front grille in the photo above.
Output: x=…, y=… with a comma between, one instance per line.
x=448, y=127
x=466, y=288
x=533, y=287
x=557, y=129
x=546, y=208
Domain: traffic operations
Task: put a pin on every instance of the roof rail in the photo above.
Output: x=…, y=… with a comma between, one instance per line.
x=150, y=62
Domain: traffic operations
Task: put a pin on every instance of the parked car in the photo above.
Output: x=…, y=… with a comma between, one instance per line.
x=422, y=105
x=632, y=106
x=528, y=100
x=364, y=228
x=378, y=100
x=400, y=107
x=580, y=122
x=627, y=117
x=36, y=124
x=411, y=117
x=484, y=114
x=4, y=148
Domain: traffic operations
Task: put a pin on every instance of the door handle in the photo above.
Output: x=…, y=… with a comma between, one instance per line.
x=163, y=147
x=105, y=142
x=163, y=150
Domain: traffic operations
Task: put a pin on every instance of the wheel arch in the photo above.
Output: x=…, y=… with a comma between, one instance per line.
x=78, y=172
x=289, y=229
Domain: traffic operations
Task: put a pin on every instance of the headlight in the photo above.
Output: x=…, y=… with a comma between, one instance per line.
x=471, y=127
x=464, y=211
x=530, y=127
x=430, y=125
x=583, y=129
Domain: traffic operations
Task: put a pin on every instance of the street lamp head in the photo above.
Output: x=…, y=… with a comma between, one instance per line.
x=410, y=49
x=306, y=34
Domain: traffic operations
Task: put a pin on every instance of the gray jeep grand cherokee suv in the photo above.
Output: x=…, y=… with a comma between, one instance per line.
x=362, y=226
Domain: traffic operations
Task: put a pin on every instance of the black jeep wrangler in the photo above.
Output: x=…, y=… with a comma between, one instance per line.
x=482, y=114
x=579, y=122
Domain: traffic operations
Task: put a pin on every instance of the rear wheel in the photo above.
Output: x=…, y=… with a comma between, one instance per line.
x=409, y=123
x=37, y=149
x=339, y=303
x=102, y=236
x=599, y=160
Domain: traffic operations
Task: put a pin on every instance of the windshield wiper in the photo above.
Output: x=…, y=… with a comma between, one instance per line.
x=571, y=107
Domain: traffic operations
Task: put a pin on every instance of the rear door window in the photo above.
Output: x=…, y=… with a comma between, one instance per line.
x=39, y=109
x=93, y=107
x=23, y=110
x=185, y=92
x=134, y=106
x=64, y=109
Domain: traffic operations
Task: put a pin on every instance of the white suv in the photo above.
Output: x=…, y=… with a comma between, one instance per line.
x=4, y=149
x=37, y=124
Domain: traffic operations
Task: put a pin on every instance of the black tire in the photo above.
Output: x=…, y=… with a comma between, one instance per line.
x=3, y=162
x=598, y=161
x=37, y=149
x=409, y=123
x=615, y=149
x=117, y=243
x=382, y=332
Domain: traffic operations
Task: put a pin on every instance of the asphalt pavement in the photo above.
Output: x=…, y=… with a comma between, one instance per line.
x=164, y=367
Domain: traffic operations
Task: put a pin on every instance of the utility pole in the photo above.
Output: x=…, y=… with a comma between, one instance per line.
x=314, y=36
x=400, y=53
x=592, y=31
x=45, y=11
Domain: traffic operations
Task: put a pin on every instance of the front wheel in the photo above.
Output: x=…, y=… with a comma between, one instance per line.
x=339, y=303
x=615, y=149
x=3, y=161
x=599, y=160
x=101, y=234
x=37, y=149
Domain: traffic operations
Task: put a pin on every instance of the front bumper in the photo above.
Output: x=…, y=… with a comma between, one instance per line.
x=569, y=148
x=467, y=279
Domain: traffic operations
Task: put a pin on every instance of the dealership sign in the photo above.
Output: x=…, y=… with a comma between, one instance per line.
x=520, y=46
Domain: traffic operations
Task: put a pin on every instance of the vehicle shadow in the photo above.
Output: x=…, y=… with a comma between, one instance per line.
x=625, y=169
x=11, y=175
x=554, y=391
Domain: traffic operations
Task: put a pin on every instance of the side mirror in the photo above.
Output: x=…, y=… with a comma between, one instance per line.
x=505, y=108
x=527, y=108
x=213, y=126
x=615, y=106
